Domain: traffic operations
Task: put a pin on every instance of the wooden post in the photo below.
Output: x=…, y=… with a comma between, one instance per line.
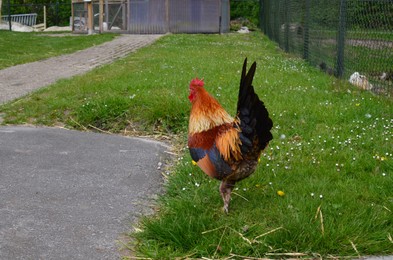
x=124, y=14
x=90, y=17
x=44, y=17
x=101, y=16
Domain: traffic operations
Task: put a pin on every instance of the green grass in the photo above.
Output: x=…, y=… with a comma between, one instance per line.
x=360, y=34
x=18, y=48
x=330, y=140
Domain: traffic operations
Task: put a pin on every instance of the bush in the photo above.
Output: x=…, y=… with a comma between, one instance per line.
x=247, y=11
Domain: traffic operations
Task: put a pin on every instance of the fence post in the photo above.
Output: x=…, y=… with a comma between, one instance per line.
x=9, y=15
x=44, y=16
x=341, y=38
x=57, y=13
x=261, y=25
x=107, y=13
x=267, y=18
x=276, y=22
x=306, y=31
x=90, y=17
x=101, y=16
x=286, y=22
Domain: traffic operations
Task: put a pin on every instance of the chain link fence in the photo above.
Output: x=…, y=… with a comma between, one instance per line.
x=341, y=37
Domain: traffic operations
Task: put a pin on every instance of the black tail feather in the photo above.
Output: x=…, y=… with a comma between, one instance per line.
x=251, y=110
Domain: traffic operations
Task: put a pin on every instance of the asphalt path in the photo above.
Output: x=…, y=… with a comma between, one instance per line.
x=73, y=195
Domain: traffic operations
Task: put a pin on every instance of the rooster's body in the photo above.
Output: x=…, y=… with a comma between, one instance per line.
x=228, y=148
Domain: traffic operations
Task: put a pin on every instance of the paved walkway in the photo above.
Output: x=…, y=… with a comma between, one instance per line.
x=68, y=194
x=73, y=195
x=19, y=80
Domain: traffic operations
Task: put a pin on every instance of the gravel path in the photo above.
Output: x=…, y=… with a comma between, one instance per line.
x=22, y=79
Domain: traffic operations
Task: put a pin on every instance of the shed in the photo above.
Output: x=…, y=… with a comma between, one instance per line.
x=152, y=16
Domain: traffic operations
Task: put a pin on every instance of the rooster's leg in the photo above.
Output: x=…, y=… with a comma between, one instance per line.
x=225, y=190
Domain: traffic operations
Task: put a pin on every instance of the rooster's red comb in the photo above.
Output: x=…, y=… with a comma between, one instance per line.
x=197, y=82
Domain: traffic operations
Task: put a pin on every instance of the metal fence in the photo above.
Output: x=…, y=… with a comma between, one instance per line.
x=57, y=14
x=26, y=19
x=341, y=37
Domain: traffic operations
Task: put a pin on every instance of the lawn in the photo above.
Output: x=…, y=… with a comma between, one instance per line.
x=18, y=48
x=331, y=157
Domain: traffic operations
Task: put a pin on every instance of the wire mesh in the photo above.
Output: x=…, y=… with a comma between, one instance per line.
x=341, y=37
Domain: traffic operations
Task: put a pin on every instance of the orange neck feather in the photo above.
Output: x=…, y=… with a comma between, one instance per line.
x=206, y=113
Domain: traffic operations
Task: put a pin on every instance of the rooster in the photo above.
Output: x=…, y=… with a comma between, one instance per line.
x=228, y=148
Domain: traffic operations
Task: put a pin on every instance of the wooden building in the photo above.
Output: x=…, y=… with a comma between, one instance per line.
x=151, y=16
